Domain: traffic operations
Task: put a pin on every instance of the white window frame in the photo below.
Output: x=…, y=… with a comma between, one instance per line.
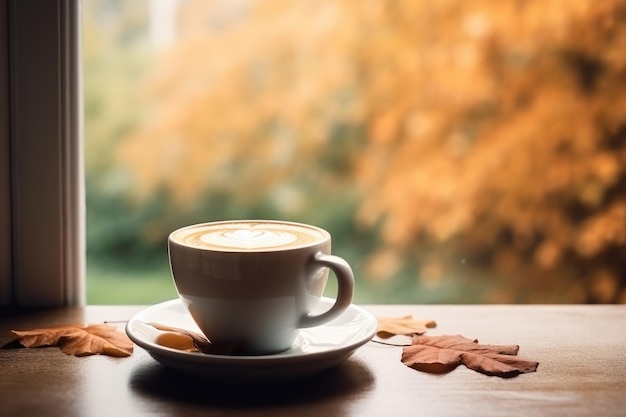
x=42, y=215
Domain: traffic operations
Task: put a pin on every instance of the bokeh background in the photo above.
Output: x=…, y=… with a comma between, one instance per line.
x=459, y=151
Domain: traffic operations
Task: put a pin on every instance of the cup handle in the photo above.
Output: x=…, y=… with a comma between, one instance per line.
x=345, y=288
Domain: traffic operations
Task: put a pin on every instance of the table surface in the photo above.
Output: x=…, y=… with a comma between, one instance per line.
x=581, y=350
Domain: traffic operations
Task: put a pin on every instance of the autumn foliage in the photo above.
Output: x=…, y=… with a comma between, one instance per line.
x=483, y=141
x=443, y=354
x=79, y=340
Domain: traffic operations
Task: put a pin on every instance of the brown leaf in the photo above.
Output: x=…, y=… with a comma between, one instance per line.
x=79, y=340
x=175, y=340
x=182, y=339
x=440, y=354
x=406, y=325
x=186, y=340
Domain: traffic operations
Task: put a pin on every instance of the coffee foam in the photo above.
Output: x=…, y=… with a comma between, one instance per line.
x=251, y=236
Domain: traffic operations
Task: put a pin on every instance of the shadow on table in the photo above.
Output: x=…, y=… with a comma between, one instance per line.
x=348, y=379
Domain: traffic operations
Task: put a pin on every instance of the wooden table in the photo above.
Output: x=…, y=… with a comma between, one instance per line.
x=581, y=350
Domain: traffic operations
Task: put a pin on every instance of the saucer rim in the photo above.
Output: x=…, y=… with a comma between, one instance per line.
x=166, y=355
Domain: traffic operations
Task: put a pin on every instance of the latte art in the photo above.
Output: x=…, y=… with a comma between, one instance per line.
x=249, y=239
x=248, y=236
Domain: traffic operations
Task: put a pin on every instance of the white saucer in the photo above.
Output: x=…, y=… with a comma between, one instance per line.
x=314, y=350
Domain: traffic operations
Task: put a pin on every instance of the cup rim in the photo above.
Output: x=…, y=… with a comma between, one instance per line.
x=325, y=236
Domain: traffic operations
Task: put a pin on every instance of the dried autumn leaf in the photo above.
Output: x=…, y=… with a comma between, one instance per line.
x=178, y=341
x=186, y=340
x=182, y=339
x=406, y=325
x=78, y=340
x=440, y=354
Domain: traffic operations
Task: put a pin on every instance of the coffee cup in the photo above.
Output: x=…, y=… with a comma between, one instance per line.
x=253, y=283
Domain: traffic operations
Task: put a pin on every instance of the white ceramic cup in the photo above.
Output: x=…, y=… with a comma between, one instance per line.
x=254, y=283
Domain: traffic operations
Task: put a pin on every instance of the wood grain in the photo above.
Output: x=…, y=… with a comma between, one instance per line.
x=581, y=350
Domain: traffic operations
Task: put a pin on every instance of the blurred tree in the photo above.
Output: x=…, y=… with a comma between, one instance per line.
x=115, y=59
x=499, y=137
x=249, y=100
x=486, y=140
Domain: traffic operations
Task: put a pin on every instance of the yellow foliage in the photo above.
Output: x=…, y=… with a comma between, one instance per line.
x=495, y=126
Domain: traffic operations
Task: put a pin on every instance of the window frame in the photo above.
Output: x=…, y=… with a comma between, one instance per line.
x=5, y=171
x=42, y=214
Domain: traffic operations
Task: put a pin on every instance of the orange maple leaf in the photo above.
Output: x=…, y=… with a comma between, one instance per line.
x=441, y=354
x=79, y=340
x=407, y=325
